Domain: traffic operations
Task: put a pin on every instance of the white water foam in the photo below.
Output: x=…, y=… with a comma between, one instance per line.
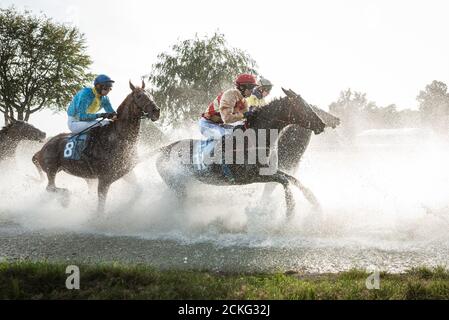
x=387, y=192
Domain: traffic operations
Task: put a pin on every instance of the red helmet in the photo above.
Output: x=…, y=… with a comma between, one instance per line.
x=245, y=79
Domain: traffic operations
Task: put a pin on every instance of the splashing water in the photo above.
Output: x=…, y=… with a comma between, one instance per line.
x=384, y=202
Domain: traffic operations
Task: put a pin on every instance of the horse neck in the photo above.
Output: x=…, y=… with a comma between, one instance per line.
x=293, y=142
x=127, y=126
x=268, y=119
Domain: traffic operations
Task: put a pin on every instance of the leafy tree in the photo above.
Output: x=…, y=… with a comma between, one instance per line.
x=42, y=63
x=351, y=107
x=193, y=74
x=434, y=105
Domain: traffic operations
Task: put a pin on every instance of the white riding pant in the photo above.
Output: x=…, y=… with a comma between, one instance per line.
x=76, y=126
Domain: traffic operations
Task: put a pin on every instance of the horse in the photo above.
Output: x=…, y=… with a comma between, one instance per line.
x=112, y=152
x=293, y=142
x=277, y=115
x=13, y=133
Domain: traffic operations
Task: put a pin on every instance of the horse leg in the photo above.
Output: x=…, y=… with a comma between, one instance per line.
x=289, y=201
x=279, y=177
x=90, y=185
x=51, y=176
x=35, y=160
x=62, y=192
x=308, y=194
x=103, y=188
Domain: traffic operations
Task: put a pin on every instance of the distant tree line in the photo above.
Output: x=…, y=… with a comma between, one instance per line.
x=43, y=63
x=358, y=113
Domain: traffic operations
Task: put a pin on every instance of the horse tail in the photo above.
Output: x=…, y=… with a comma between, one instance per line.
x=166, y=149
x=36, y=162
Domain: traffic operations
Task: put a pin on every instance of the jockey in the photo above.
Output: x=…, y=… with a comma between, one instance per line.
x=83, y=110
x=257, y=98
x=228, y=109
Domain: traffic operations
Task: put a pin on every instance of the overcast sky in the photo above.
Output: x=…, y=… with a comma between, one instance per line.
x=388, y=49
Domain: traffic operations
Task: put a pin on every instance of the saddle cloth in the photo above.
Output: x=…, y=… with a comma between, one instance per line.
x=75, y=146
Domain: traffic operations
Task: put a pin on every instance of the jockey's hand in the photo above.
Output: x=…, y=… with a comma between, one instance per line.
x=107, y=115
x=248, y=115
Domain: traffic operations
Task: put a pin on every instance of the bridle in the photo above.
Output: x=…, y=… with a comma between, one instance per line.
x=143, y=113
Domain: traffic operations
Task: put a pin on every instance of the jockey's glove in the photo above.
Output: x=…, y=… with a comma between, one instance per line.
x=106, y=115
x=247, y=115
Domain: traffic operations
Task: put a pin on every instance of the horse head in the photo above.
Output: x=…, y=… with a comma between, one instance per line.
x=21, y=130
x=301, y=113
x=142, y=104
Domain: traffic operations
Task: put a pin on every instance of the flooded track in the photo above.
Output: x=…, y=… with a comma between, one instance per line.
x=384, y=204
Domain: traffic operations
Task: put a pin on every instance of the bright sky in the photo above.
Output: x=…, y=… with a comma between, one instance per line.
x=388, y=49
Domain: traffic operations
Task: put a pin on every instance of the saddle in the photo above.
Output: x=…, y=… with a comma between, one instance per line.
x=206, y=147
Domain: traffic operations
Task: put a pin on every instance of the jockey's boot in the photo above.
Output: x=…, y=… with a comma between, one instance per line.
x=228, y=173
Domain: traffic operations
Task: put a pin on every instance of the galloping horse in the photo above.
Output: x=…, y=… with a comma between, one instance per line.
x=277, y=115
x=13, y=133
x=113, y=150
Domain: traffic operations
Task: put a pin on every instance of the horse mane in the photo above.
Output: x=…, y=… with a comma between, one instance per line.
x=125, y=102
x=272, y=108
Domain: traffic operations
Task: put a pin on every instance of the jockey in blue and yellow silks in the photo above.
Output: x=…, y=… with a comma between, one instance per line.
x=83, y=110
x=257, y=98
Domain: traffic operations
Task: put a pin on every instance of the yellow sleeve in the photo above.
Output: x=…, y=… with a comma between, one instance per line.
x=252, y=102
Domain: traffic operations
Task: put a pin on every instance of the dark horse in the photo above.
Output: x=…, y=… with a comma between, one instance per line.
x=13, y=133
x=277, y=115
x=293, y=142
x=112, y=153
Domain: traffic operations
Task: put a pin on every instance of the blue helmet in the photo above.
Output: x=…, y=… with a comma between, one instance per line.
x=102, y=78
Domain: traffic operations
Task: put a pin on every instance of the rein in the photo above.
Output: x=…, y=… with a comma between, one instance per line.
x=143, y=114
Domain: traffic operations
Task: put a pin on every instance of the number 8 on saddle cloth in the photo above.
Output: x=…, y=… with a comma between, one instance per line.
x=75, y=146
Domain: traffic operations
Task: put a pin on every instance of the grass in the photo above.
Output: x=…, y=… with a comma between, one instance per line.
x=42, y=280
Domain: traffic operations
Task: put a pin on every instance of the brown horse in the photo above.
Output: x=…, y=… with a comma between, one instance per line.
x=13, y=133
x=112, y=152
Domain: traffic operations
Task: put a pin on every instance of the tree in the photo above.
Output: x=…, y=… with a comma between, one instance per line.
x=193, y=74
x=352, y=107
x=434, y=105
x=42, y=64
